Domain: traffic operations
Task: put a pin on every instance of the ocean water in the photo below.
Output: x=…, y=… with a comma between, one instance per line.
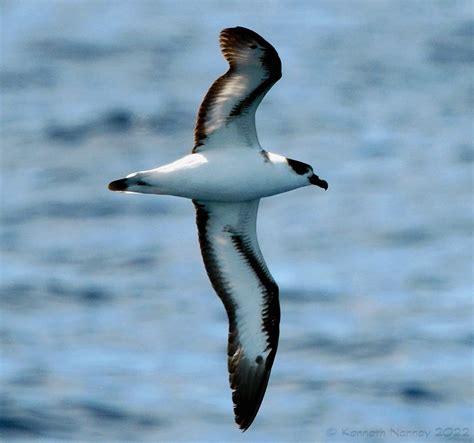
x=109, y=328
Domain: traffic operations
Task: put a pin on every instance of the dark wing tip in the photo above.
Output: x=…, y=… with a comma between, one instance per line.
x=248, y=381
x=242, y=46
x=243, y=34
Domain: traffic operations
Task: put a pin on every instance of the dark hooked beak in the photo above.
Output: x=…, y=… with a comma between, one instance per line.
x=119, y=185
x=315, y=180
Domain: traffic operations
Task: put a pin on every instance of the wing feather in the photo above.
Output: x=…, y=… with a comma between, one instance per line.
x=240, y=277
x=228, y=109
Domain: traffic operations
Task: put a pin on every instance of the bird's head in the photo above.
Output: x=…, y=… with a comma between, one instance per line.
x=306, y=170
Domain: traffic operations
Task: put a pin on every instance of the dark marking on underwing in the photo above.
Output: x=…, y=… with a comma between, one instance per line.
x=270, y=328
x=216, y=277
x=200, y=132
x=235, y=41
x=265, y=156
x=271, y=308
x=252, y=99
x=248, y=380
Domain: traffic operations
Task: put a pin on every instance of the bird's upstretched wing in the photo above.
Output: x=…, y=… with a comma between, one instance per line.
x=227, y=113
x=239, y=275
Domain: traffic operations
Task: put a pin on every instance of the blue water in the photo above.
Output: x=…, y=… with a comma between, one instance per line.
x=109, y=328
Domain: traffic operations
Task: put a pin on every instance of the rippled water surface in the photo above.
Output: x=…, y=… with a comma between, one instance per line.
x=110, y=330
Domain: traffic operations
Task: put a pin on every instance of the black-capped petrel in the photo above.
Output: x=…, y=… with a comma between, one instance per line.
x=226, y=175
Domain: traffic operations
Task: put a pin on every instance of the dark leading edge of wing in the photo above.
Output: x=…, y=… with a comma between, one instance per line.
x=254, y=67
x=231, y=254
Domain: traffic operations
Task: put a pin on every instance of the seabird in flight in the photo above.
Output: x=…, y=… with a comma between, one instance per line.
x=226, y=175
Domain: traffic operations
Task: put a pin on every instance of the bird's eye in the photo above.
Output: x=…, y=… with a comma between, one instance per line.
x=253, y=46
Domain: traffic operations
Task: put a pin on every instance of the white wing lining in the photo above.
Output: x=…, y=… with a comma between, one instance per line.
x=239, y=275
x=228, y=109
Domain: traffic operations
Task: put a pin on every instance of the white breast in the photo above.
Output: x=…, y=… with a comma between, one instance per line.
x=224, y=175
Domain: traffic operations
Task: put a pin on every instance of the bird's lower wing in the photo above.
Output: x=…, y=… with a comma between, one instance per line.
x=239, y=275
